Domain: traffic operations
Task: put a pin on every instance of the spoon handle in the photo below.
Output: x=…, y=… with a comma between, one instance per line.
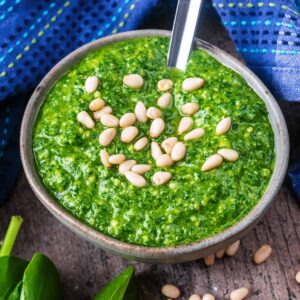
x=185, y=22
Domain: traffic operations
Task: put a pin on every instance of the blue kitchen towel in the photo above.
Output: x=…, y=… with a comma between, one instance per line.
x=267, y=35
x=294, y=172
x=34, y=35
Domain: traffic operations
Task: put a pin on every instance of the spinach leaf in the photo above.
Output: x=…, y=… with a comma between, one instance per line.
x=11, y=272
x=123, y=287
x=11, y=235
x=41, y=280
x=20, y=280
x=15, y=295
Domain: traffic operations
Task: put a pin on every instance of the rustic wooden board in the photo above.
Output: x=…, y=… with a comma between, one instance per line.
x=84, y=269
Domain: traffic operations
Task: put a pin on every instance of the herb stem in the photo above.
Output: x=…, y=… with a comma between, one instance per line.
x=11, y=235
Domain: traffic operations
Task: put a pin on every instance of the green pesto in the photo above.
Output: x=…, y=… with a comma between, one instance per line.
x=193, y=205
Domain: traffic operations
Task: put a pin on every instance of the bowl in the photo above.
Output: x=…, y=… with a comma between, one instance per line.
x=173, y=254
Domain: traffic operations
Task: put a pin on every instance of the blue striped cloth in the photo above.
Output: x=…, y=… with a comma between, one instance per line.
x=267, y=34
x=37, y=34
x=34, y=36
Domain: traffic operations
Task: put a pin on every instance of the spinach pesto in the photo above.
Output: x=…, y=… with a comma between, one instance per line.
x=194, y=203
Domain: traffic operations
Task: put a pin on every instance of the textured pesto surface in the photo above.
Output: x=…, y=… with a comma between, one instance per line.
x=193, y=205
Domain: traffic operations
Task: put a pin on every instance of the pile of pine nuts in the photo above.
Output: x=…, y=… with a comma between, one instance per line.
x=172, y=292
x=260, y=256
x=171, y=150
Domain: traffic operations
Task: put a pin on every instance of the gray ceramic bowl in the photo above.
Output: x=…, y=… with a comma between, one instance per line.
x=150, y=254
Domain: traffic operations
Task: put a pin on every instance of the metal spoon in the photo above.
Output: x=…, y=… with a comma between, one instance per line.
x=186, y=18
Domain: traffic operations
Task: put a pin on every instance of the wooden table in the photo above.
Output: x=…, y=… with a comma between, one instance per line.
x=84, y=269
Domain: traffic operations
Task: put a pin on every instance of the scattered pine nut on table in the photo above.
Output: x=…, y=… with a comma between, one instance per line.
x=233, y=248
x=194, y=297
x=209, y=260
x=208, y=297
x=262, y=254
x=297, y=277
x=170, y=291
x=239, y=294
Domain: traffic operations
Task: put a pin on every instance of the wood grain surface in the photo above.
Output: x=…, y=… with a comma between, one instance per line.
x=84, y=268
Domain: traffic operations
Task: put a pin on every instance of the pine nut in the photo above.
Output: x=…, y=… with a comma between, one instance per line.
x=141, y=169
x=239, y=294
x=129, y=134
x=105, y=110
x=194, y=134
x=153, y=113
x=168, y=144
x=164, y=160
x=179, y=151
x=85, y=119
x=134, y=81
x=140, y=144
x=190, y=108
x=223, y=126
x=104, y=156
x=195, y=297
x=160, y=178
x=208, y=297
x=165, y=84
x=155, y=150
x=126, y=166
x=209, y=260
x=229, y=154
x=157, y=127
x=91, y=84
x=96, y=104
x=192, y=84
x=109, y=120
x=171, y=291
x=212, y=162
x=107, y=136
x=127, y=120
x=233, y=248
x=140, y=112
x=262, y=254
x=297, y=277
x=220, y=253
x=165, y=100
x=116, y=159
x=185, y=124
x=135, y=179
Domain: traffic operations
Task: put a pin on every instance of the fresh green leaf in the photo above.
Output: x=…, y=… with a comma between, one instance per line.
x=11, y=235
x=11, y=272
x=132, y=290
x=41, y=280
x=16, y=294
x=123, y=287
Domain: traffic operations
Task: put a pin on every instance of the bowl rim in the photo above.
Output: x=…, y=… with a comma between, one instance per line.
x=177, y=253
